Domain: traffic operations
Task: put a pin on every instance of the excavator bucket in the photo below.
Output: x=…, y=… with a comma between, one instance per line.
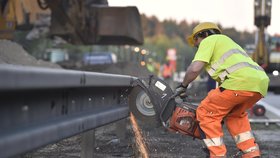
x=118, y=25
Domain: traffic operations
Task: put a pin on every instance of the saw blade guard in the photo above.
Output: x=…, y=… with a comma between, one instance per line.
x=147, y=99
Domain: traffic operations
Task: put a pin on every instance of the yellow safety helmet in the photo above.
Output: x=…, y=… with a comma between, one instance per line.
x=201, y=27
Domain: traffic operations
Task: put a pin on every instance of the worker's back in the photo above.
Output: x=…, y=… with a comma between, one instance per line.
x=222, y=55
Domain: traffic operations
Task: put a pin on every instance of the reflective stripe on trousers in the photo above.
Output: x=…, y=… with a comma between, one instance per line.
x=214, y=141
x=217, y=145
x=242, y=137
x=254, y=148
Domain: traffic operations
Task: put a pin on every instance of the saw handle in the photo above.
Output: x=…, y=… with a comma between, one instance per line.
x=181, y=91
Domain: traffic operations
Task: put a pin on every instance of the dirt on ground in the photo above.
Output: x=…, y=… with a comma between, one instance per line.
x=13, y=53
x=160, y=143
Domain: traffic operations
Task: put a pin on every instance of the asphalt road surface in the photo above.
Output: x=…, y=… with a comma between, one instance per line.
x=272, y=104
x=164, y=144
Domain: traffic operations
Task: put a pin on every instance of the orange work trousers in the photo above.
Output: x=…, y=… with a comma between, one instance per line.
x=229, y=106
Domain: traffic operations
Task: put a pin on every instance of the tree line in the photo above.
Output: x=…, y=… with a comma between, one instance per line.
x=169, y=33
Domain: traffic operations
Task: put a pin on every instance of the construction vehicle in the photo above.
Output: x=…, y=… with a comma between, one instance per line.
x=274, y=54
x=273, y=67
x=75, y=21
x=267, y=54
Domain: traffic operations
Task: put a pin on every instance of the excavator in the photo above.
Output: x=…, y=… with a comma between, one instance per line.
x=84, y=22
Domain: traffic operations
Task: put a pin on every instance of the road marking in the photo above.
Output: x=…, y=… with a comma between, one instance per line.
x=269, y=107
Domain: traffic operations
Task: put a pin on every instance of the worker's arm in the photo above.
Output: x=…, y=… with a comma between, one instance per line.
x=192, y=72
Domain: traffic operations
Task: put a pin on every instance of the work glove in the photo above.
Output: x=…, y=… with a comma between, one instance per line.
x=181, y=91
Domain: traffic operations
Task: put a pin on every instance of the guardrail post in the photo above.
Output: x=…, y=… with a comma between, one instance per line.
x=88, y=144
x=121, y=131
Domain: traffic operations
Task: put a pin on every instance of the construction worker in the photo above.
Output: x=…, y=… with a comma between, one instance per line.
x=167, y=74
x=167, y=71
x=242, y=82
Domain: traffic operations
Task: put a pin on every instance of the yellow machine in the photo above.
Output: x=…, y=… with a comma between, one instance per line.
x=262, y=20
x=266, y=53
x=16, y=14
x=7, y=20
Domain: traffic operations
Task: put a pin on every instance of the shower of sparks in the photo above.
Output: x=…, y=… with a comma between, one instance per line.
x=139, y=138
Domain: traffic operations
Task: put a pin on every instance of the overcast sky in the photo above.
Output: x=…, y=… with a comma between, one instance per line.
x=229, y=13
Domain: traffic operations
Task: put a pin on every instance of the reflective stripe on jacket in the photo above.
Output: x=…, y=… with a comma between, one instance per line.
x=222, y=75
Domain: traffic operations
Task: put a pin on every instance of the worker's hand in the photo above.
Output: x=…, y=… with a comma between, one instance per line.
x=181, y=91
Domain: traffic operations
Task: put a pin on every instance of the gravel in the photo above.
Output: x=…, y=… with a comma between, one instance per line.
x=13, y=53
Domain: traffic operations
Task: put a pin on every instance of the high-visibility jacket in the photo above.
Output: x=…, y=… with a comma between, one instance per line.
x=167, y=71
x=228, y=64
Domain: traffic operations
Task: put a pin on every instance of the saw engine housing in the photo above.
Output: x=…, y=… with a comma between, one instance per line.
x=183, y=120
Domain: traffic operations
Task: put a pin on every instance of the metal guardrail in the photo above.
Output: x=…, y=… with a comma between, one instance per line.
x=39, y=106
x=265, y=121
